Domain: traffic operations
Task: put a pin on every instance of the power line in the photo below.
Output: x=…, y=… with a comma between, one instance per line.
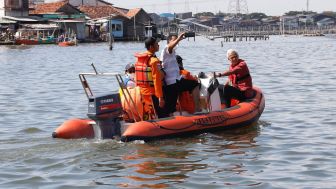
x=186, y=5
x=171, y=3
x=238, y=7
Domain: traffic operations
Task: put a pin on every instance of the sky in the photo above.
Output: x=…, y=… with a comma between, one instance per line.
x=269, y=7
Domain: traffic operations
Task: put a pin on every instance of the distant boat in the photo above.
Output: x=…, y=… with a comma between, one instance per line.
x=35, y=34
x=26, y=42
x=68, y=42
x=34, y=41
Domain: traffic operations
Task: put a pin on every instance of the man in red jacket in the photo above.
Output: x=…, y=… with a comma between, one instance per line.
x=239, y=85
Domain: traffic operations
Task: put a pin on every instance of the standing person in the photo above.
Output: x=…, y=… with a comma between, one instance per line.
x=239, y=85
x=148, y=78
x=172, y=71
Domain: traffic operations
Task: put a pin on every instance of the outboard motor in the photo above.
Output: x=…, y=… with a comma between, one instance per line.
x=105, y=110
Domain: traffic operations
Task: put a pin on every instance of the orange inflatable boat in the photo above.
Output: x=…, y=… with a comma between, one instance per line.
x=241, y=115
x=106, y=120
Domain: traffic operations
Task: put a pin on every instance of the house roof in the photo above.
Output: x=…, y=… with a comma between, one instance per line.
x=132, y=12
x=23, y=19
x=326, y=20
x=123, y=10
x=100, y=11
x=46, y=8
x=40, y=26
x=6, y=21
x=105, y=2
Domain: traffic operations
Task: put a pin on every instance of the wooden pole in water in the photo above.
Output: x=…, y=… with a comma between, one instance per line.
x=110, y=34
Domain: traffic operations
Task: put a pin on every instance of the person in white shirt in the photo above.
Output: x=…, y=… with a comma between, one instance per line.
x=172, y=72
x=174, y=81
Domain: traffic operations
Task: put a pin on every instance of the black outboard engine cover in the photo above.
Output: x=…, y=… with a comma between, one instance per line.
x=106, y=110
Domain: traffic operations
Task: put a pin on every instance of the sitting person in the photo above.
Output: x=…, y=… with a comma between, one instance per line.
x=129, y=76
x=239, y=85
x=188, y=100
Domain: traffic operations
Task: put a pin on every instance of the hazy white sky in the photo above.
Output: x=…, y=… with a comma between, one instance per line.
x=269, y=7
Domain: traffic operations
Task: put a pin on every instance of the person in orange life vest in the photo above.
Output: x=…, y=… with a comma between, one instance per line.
x=148, y=78
x=239, y=85
x=188, y=102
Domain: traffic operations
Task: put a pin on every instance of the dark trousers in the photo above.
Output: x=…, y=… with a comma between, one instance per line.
x=161, y=113
x=229, y=92
x=170, y=94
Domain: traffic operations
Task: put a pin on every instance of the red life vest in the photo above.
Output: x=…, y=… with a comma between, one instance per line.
x=242, y=79
x=143, y=71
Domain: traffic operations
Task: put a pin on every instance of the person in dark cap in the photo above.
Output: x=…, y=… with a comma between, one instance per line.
x=149, y=78
x=129, y=76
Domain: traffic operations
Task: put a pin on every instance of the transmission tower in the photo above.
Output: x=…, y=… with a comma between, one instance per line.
x=186, y=5
x=238, y=7
x=169, y=6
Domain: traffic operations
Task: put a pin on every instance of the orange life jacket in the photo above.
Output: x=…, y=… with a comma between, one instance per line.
x=185, y=98
x=186, y=102
x=234, y=102
x=132, y=111
x=143, y=72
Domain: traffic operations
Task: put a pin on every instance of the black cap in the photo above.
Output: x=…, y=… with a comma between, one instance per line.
x=179, y=58
x=179, y=61
x=151, y=41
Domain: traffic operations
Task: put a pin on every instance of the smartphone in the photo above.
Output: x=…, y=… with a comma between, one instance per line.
x=189, y=34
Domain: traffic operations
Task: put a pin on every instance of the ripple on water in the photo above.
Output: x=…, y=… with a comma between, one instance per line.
x=31, y=130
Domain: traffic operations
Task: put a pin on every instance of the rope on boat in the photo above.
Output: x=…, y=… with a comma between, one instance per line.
x=162, y=127
x=206, y=121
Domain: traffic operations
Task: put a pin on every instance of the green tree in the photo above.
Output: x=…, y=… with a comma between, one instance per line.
x=329, y=13
x=256, y=15
x=294, y=13
x=197, y=15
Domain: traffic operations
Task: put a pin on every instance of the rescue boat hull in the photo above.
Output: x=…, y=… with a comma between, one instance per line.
x=242, y=115
x=128, y=138
x=74, y=129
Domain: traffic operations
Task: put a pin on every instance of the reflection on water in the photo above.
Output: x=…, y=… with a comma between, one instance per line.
x=163, y=164
x=19, y=47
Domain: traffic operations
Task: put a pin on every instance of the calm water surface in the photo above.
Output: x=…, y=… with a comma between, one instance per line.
x=292, y=146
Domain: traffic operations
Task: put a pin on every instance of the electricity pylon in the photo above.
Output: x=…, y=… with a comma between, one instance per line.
x=238, y=7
